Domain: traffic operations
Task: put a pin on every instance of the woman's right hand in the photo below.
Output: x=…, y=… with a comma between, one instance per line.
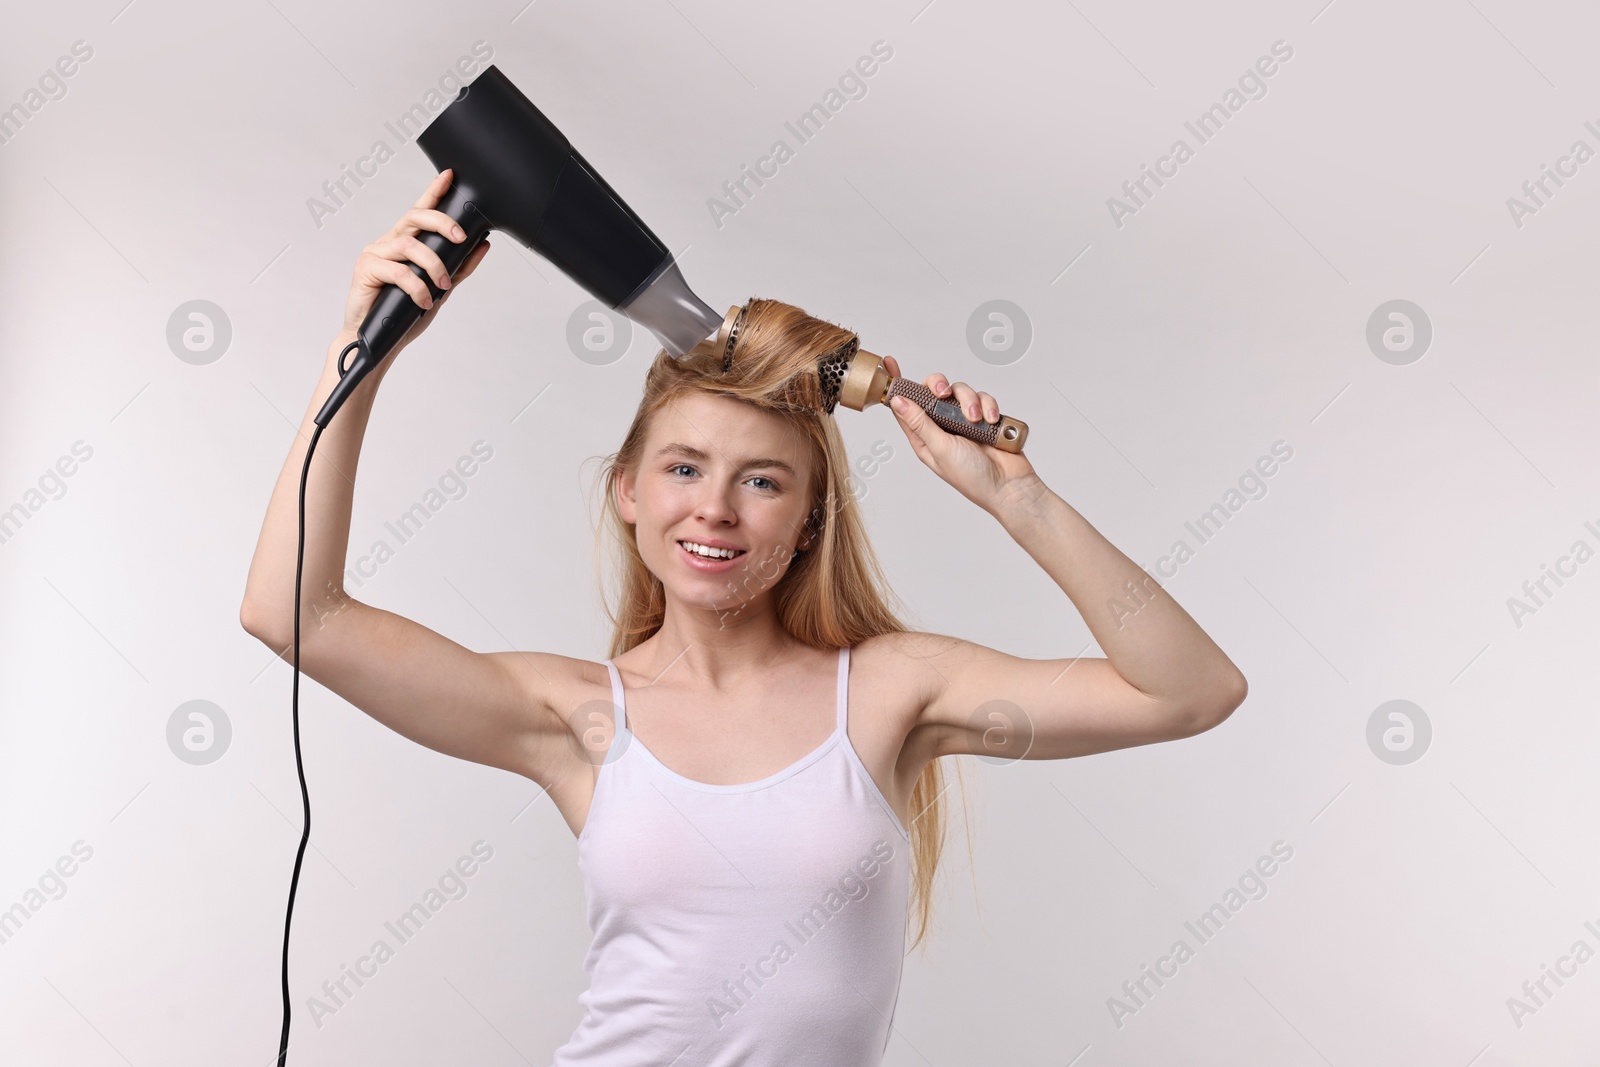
x=384, y=261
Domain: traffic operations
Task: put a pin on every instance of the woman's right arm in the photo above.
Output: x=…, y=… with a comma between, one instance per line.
x=490, y=708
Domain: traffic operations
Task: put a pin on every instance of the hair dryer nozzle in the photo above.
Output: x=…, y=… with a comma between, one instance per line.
x=679, y=319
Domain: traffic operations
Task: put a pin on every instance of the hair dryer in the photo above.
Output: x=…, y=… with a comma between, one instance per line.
x=514, y=171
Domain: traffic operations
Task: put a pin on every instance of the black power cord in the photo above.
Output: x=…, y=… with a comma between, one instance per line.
x=299, y=766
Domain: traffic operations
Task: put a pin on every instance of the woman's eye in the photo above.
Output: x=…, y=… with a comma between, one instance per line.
x=771, y=486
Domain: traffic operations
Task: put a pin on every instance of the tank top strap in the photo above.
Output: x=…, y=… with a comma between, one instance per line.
x=617, y=698
x=843, y=698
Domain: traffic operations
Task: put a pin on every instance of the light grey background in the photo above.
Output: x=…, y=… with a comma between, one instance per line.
x=1169, y=355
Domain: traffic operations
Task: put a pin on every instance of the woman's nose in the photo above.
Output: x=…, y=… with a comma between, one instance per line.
x=714, y=504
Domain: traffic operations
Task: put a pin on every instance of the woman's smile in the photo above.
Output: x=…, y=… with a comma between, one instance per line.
x=707, y=564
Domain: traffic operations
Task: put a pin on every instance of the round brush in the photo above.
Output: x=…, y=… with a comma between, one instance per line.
x=855, y=377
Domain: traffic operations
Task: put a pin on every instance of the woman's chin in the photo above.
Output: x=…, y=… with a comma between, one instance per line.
x=726, y=596
x=727, y=589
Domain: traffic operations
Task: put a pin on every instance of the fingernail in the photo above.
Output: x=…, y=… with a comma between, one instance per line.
x=457, y=233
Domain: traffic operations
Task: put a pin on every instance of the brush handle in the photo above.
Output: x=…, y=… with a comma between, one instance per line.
x=1008, y=434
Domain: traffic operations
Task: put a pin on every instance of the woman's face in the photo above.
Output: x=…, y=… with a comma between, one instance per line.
x=718, y=472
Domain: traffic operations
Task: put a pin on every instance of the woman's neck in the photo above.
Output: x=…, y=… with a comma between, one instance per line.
x=720, y=661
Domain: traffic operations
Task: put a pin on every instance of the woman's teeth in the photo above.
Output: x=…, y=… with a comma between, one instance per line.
x=711, y=553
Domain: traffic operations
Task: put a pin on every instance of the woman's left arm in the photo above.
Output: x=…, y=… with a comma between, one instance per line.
x=1163, y=677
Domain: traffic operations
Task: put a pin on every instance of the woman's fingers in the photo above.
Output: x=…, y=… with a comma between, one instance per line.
x=939, y=385
x=974, y=405
x=473, y=259
x=419, y=219
x=382, y=269
x=436, y=189
x=401, y=248
x=424, y=215
x=389, y=259
x=401, y=243
x=967, y=398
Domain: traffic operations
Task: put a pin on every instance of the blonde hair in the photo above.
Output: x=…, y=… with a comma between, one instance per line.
x=833, y=593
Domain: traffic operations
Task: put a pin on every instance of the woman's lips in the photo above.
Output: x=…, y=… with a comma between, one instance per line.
x=710, y=566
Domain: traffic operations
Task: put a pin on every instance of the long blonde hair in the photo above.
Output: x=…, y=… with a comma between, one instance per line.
x=833, y=593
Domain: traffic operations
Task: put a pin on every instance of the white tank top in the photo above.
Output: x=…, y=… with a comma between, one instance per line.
x=755, y=924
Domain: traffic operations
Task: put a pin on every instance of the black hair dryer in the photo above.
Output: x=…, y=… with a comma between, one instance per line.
x=514, y=171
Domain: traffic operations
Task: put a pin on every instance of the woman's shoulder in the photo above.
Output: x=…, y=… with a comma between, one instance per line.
x=904, y=652
x=908, y=669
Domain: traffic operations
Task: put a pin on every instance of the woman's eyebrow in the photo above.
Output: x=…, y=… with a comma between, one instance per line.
x=691, y=452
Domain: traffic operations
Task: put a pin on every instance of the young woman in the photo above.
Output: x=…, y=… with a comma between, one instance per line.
x=754, y=774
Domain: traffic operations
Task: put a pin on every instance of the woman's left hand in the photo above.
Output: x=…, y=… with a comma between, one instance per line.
x=983, y=474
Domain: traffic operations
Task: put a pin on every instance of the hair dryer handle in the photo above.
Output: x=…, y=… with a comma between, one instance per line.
x=394, y=311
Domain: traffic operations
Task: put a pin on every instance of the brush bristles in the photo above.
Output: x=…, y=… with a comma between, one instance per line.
x=812, y=390
x=733, y=339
